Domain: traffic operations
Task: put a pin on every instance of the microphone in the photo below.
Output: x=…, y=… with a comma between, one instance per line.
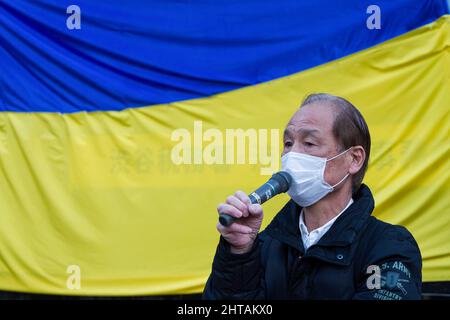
x=278, y=183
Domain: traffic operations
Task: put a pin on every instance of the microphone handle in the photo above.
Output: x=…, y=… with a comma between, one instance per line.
x=278, y=183
x=227, y=220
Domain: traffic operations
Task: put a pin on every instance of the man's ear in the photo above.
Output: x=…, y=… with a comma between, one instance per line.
x=358, y=155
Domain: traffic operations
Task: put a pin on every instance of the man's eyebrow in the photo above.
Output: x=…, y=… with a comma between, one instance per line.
x=308, y=132
x=302, y=132
x=287, y=132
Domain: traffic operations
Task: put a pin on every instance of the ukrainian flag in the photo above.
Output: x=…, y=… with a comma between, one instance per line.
x=92, y=94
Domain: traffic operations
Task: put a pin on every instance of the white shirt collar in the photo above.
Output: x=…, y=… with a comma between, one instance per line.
x=311, y=238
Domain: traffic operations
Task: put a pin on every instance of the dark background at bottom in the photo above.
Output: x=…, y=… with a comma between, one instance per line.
x=430, y=291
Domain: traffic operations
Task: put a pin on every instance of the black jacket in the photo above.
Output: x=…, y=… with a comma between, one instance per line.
x=337, y=267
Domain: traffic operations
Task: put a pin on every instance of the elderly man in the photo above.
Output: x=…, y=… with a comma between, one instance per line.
x=324, y=243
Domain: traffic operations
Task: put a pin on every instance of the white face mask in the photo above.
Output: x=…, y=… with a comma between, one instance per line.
x=308, y=182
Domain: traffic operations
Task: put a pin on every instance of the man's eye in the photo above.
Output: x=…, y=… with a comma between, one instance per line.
x=288, y=144
x=309, y=144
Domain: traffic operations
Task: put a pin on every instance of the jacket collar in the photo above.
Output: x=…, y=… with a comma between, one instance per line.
x=284, y=227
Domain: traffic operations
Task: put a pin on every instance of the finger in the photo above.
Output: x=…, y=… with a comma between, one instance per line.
x=239, y=228
x=241, y=195
x=255, y=209
x=225, y=208
x=234, y=201
x=234, y=228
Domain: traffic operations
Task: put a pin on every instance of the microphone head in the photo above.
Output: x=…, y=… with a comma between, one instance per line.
x=284, y=179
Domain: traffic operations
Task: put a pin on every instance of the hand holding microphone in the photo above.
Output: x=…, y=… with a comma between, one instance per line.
x=241, y=216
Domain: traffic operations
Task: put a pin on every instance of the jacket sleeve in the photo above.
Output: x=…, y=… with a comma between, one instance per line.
x=236, y=276
x=393, y=269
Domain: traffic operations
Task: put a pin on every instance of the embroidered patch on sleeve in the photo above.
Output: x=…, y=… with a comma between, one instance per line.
x=395, y=281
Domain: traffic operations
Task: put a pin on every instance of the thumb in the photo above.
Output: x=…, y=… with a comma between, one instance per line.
x=255, y=209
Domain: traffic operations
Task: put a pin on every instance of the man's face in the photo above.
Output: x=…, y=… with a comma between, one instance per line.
x=310, y=131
